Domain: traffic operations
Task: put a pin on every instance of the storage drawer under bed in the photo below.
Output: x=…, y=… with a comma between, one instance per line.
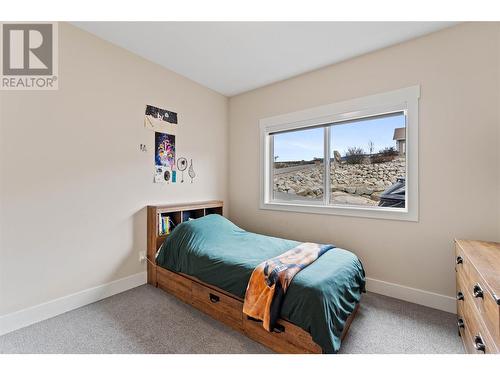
x=218, y=305
x=287, y=337
x=175, y=284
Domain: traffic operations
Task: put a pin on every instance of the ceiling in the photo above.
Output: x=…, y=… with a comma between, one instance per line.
x=234, y=57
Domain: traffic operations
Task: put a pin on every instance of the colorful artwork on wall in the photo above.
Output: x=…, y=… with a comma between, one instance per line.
x=164, y=124
x=165, y=150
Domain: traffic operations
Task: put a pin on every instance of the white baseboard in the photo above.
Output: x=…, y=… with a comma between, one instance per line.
x=418, y=296
x=26, y=317
x=31, y=315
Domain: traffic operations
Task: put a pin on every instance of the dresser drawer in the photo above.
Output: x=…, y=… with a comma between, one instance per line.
x=484, y=302
x=492, y=316
x=463, y=265
x=460, y=261
x=463, y=331
x=474, y=334
x=461, y=294
x=218, y=305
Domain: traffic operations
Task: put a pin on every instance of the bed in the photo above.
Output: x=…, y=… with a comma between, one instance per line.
x=208, y=261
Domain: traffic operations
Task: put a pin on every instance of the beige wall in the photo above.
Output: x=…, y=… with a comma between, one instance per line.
x=459, y=73
x=73, y=181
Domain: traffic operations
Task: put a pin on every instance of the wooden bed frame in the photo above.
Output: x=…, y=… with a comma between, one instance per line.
x=219, y=304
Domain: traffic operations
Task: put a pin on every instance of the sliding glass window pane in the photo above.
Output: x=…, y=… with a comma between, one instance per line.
x=368, y=162
x=298, y=165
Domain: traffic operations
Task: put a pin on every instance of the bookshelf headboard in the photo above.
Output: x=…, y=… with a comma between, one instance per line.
x=176, y=214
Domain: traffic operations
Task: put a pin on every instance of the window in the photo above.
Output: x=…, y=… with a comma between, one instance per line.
x=356, y=158
x=298, y=168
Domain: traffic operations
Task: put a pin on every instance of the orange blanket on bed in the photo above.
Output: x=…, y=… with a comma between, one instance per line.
x=270, y=280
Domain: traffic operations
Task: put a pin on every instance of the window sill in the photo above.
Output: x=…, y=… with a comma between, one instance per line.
x=385, y=213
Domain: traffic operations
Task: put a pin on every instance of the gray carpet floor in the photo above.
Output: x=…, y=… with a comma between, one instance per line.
x=148, y=320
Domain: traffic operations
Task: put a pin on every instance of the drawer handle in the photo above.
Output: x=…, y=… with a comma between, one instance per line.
x=460, y=296
x=214, y=298
x=460, y=260
x=278, y=328
x=479, y=343
x=461, y=325
x=477, y=291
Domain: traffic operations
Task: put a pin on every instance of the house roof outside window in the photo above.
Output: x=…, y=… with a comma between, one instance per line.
x=399, y=134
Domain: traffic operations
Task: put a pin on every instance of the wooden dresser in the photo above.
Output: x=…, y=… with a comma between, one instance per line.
x=478, y=295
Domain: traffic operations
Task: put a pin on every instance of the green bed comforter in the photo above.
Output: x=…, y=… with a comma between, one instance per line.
x=319, y=299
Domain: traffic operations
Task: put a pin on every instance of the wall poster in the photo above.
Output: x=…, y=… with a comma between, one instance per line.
x=164, y=124
x=160, y=120
x=164, y=158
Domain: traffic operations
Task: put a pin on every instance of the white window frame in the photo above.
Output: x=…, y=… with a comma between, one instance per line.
x=402, y=100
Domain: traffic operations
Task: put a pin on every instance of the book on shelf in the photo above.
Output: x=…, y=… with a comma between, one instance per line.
x=164, y=224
